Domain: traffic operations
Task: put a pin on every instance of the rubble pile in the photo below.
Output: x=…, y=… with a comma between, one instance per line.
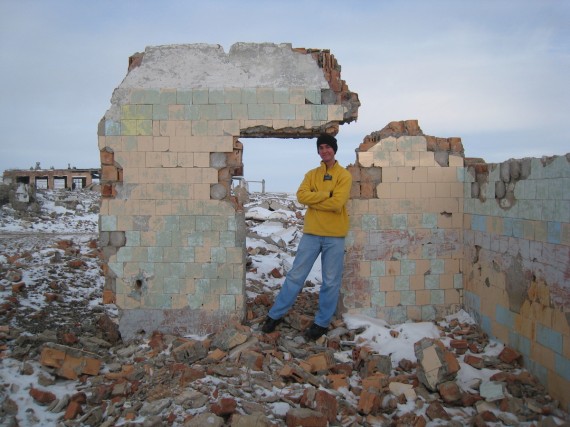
x=63, y=362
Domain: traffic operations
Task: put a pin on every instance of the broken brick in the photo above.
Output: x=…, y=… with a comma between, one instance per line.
x=459, y=344
x=224, y=407
x=69, y=338
x=70, y=362
x=435, y=411
x=401, y=389
x=377, y=381
x=337, y=381
x=376, y=363
x=296, y=373
x=42, y=397
x=509, y=355
x=305, y=417
x=369, y=402
x=321, y=401
x=275, y=273
x=252, y=359
x=189, y=352
x=474, y=361
x=18, y=288
x=449, y=392
x=73, y=410
x=75, y=263
x=229, y=338
x=436, y=364
x=156, y=341
x=321, y=362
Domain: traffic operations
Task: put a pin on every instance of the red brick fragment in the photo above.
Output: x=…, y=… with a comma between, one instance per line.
x=69, y=338
x=73, y=410
x=76, y=263
x=509, y=355
x=449, y=391
x=275, y=273
x=474, y=361
x=305, y=417
x=18, y=288
x=42, y=397
x=224, y=407
x=459, y=344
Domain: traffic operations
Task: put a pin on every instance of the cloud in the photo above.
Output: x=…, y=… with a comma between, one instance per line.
x=491, y=73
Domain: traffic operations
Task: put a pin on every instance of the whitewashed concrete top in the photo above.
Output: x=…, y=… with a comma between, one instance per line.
x=208, y=66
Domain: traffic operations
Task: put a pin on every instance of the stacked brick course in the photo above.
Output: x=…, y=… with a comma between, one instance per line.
x=430, y=231
x=517, y=261
x=405, y=248
x=173, y=235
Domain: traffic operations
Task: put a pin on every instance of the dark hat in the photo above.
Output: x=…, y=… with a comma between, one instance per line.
x=327, y=139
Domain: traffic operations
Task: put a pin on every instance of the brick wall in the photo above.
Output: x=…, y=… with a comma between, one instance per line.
x=405, y=246
x=430, y=231
x=517, y=261
x=173, y=235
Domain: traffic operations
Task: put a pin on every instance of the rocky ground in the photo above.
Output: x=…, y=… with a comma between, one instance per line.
x=63, y=362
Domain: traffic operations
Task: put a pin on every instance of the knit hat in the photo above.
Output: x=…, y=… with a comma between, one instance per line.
x=327, y=139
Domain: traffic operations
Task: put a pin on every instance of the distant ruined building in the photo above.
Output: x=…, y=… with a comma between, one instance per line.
x=431, y=231
x=52, y=179
x=21, y=184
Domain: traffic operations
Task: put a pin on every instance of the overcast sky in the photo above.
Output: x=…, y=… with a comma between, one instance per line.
x=495, y=73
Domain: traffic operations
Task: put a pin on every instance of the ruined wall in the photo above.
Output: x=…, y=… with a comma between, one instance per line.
x=517, y=261
x=405, y=245
x=173, y=235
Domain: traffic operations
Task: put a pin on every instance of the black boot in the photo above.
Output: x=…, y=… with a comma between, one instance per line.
x=315, y=332
x=270, y=325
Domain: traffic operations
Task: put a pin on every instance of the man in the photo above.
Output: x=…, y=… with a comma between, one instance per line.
x=325, y=191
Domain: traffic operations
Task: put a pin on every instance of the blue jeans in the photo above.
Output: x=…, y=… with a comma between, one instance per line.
x=331, y=250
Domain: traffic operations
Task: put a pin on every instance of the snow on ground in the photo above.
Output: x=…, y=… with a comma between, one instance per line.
x=272, y=243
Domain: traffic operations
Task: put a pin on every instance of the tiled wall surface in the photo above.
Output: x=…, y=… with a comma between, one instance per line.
x=182, y=249
x=405, y=245
x=517, y=263
x=173, y=235
x=428, y=235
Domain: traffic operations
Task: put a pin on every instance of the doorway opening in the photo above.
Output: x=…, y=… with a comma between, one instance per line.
x=277, y=164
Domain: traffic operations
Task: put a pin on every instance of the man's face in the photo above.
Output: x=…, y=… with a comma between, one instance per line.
x=326, y=152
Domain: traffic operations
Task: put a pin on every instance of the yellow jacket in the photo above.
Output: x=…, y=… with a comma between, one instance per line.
x=326, y=200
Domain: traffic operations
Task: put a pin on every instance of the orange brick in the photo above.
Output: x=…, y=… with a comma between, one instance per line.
x=70, y=362
x=423, y=297
x=393, y=268
x=452, y=296
x=392, y=298
x=422, y=266
x=387, y=283
x=414, y=313
x=558, y=387
x=109, y=173
x=320, y=362
x=417, y=283
x=337, y=381
x=501, y=332
x=108, y=297
x=107, y=158
x=452, y=266
x=542, y=355
x=446, y=281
